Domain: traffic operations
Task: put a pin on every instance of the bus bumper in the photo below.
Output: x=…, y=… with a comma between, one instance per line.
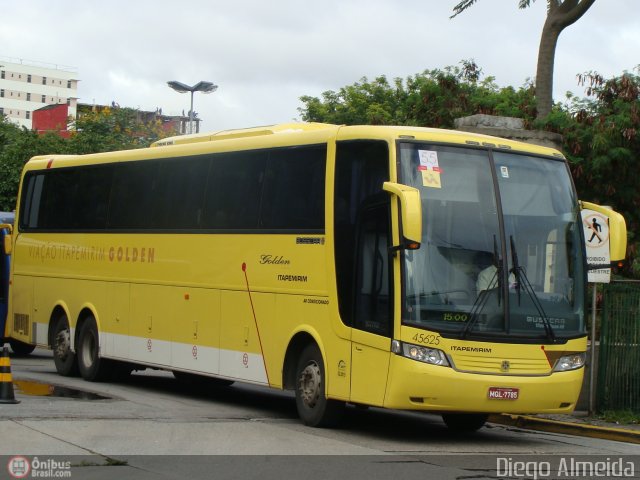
x=417, y=386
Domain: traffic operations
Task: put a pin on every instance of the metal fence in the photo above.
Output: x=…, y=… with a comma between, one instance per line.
x=618, y=386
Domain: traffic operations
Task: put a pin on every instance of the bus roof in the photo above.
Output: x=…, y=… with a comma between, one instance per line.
x=288, y=134
x=242, y=133
x=362, y=131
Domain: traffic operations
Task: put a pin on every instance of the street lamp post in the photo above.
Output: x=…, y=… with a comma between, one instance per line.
x=201, y=86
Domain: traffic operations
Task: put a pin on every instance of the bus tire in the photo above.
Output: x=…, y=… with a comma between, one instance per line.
x=314, y=408
x=63, y=357
x=464, y=422
x=21, y=349
x=92, y=367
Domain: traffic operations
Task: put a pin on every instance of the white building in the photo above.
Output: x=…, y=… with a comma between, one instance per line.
x=27, y=85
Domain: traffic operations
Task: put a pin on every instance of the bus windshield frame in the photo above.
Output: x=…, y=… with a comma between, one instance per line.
x=501, y=257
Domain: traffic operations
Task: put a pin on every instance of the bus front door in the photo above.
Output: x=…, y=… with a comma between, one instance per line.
x=371, y=334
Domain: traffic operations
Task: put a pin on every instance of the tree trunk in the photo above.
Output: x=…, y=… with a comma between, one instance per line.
x=560, y=14
x=544, y=73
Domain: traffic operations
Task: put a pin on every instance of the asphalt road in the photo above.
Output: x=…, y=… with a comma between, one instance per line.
x=152, y=426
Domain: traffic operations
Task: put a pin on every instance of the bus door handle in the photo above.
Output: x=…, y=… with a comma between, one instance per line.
x=359, y=348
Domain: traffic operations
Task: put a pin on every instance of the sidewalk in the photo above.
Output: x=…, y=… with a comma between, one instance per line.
x=577, y=423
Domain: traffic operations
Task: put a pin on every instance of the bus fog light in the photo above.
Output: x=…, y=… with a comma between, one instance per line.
x=570, y=362
x=432, y=356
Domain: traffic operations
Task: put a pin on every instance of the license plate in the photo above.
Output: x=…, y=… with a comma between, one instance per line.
x=500, y=393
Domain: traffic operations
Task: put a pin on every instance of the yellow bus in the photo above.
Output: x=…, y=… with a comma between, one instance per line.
x=398, y=267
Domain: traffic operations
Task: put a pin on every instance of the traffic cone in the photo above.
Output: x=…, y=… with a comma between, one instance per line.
x=6, y=382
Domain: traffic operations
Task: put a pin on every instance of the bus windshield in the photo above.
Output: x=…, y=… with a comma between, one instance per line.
x=501, y=246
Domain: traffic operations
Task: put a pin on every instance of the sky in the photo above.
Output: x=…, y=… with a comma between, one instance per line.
x=265, y=55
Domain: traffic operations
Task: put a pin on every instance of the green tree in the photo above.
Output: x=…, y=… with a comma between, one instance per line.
x=111, y=129
x=105, y=130
x=560, y=14
x=17, y=145
x=434, y=98
x=602, y=142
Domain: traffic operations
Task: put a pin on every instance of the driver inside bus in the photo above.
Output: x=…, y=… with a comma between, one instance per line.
x=488, y=279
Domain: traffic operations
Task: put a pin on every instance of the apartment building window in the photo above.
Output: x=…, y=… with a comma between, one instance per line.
x=29, y=78
x=44, y=99
x=1, y=111
x=2, y=93
x=28, y=115
x=68, y=83
x=28, y=97
x=68, y=102
x=2, y=74
x=44, y=81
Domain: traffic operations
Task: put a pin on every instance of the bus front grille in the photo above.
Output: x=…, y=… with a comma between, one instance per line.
x=501, y=365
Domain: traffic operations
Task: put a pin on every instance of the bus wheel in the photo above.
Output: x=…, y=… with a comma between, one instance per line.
x=63, y=357
x=464, y=422
x=92, y=367
x=314, y=408
x=20, y=348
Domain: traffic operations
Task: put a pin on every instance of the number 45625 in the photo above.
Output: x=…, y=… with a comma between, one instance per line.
x=426, y=338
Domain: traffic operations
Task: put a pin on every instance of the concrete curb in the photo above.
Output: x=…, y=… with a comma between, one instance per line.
x=567, y=428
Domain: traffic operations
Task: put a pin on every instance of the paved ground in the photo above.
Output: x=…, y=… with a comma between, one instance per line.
x=252, y=432
x=578, y=423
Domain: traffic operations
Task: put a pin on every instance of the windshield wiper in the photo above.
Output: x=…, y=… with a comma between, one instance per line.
x=523, y=281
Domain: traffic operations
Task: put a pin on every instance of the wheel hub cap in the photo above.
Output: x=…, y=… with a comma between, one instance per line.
x=309, y=384
x=63, y=344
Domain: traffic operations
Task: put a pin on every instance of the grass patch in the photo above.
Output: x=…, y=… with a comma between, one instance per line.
x=621, y=417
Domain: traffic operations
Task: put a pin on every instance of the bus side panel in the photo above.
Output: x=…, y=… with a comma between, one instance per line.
x=19, y=326
x=115, y=322
x=47, y=294
x=269, y=328
x=76, y=295
x=153, y=313
x=240, y=353
x=312, y=314
x=195, y=331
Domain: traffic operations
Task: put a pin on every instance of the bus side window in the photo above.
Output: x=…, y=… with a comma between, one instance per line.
x=361, y=169
x=372, y=308
x=31, y=198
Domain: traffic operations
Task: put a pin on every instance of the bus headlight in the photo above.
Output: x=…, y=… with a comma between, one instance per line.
x=432, y=356
x=570, y=362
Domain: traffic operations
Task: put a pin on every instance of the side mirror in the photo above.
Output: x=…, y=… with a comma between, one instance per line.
x=411, y=213
x=6, y=237
x=617, y=230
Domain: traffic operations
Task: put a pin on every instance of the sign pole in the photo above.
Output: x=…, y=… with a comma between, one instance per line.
x=596, y=239
x=592, y=370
